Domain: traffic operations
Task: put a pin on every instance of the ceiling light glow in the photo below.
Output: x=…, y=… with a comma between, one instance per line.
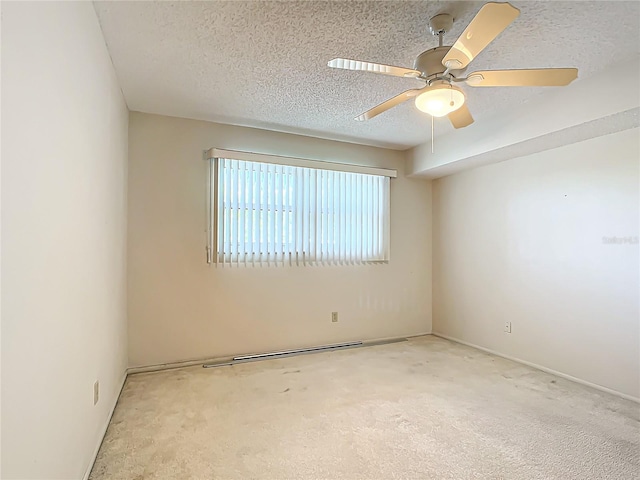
x=440, y=100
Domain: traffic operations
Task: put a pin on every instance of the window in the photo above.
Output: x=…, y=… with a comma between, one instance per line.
x=265, y=213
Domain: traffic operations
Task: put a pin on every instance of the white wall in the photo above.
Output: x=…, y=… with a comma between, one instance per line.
x=64, y=154
x=180, y=308
x=522, y=241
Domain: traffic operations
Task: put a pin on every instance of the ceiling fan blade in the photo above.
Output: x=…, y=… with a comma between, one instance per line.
x=392, y=102
x=489, y=22
x=535, y=77
x=346, y=64
x=461, y=117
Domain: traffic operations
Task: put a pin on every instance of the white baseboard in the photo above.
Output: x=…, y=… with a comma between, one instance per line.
x=540, y=367
x=171, y=365
x=104, y=430
x=228, y=358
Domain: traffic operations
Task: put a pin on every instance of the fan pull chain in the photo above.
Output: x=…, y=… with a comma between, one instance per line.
x=432, y=120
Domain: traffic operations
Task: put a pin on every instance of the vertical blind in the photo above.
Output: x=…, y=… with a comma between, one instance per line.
x=271, y=213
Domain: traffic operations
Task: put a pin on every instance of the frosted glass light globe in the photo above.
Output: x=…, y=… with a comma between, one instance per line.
x=440, y=100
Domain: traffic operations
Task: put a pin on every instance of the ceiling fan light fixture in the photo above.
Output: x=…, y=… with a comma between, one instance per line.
x=440, y=100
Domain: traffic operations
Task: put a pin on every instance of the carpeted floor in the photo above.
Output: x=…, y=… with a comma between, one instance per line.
x=423, y=409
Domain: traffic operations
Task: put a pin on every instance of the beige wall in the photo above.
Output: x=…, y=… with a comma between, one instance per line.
x=181, y=308
x=522, y=241
x=64, y=163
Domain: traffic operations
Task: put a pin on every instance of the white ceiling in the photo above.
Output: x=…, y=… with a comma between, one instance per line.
x=263, y=63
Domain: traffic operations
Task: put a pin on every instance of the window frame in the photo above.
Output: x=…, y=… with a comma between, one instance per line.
x=214, y=155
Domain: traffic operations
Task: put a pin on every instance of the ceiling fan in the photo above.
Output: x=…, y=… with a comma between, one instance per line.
x=443, y=67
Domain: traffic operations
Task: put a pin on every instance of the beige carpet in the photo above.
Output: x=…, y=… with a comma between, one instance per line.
x=423, y=409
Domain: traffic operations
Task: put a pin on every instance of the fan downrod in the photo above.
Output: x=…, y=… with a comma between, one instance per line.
x=439, y=25
x=429, y=63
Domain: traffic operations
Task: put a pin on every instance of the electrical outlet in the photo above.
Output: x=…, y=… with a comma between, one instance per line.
x=334, y=317
x=96, y=392
x=507, y=327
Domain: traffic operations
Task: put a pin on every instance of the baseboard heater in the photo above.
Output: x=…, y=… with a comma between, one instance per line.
x=299, y=351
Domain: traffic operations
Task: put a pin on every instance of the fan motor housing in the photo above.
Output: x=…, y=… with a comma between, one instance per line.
x=429, y=62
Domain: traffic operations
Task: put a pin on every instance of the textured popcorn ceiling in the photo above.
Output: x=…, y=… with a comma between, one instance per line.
x=263, y=63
